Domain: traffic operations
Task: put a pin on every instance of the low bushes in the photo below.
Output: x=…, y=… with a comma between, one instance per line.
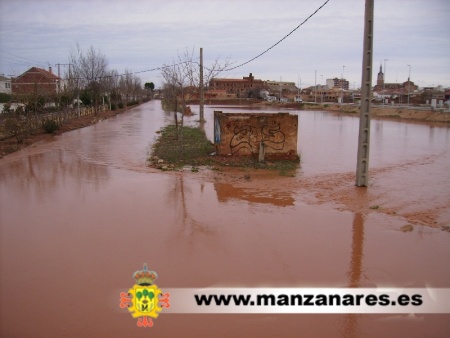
x=49, y=126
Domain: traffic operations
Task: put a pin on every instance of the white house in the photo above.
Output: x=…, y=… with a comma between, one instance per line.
x=5, y=85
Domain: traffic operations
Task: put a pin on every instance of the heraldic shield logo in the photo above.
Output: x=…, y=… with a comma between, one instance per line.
x=144, y=300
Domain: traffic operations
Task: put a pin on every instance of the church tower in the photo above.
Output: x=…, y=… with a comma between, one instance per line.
x=380, y=78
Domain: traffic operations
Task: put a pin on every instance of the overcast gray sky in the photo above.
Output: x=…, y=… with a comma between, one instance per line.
x=141, y=35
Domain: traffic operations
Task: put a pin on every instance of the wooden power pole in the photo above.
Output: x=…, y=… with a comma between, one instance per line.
x=202, y=89
x=362, y=166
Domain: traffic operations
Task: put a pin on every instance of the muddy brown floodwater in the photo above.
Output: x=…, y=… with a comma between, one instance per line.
x=81, y=212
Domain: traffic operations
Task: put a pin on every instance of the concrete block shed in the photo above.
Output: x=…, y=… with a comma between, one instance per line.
x=243, y=134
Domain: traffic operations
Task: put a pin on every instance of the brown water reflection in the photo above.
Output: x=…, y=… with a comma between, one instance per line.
x=80, y=214
x=350, y=326
x=356, y=262
x=228, y=192
x=41, y=175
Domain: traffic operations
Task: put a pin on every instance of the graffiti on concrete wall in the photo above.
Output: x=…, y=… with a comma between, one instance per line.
x=247, y=138
x=216, y=130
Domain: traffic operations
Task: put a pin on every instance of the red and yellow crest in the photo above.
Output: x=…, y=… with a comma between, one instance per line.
x=144, y=300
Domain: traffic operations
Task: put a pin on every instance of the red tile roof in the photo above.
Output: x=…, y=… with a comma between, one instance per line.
x=35, y=80
x=43, y=72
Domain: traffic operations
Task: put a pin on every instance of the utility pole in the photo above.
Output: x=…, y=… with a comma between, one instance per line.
x=58, y=89
x=409, y=82
x=59, y=79
x=202, y=91
x=70, y=78
x=78, y=97
x=315, y=86
x=59, y=76
x=384, y=80
x=362, y=165
x=281, y=90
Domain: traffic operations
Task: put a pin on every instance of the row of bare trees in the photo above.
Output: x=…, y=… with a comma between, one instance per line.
x=88, y=87
x=89, y=74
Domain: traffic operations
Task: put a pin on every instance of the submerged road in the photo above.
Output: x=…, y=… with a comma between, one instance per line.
x=79, y=214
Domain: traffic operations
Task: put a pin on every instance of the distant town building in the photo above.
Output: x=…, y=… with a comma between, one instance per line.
x=323, y=94
x=380, y=78
x=276, y=86
x=5, y=85
x=36, y=81
x=249, y=83
x=337, y=83
x=218, y=94
x=236, y=86
x=410, y=86
x=381, y=85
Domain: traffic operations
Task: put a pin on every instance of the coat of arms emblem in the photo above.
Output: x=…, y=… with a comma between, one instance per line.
x=144, y=300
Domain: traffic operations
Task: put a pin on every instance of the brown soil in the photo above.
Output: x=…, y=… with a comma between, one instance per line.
x=11, y=145
x=389, y=112
x=397, y=113
x=426, y=115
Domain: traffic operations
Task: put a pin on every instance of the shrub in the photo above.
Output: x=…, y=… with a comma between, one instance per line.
x=14, y=127
x=4, y=98
x=6, y=108
x=49, y=126
x=113, y=106
x=120, y=105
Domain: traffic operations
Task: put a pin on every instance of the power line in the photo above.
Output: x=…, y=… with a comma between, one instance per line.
x=20, y=57
x=252, y=59
x=224, y=69
x=131, y=73
x=279, y=41
x=2, y=59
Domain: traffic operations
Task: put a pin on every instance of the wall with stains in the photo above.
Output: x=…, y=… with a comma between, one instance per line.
x=242, y=134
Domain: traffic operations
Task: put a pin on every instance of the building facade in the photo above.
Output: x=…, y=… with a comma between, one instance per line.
x=236, y=86
x=280, y=85
x=5, y=85
x=338, y=83
x=36, y=81
x=267, y=135
x=380, y=78
x=382, y=86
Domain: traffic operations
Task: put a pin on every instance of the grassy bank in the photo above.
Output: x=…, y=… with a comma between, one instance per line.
x=192, y=148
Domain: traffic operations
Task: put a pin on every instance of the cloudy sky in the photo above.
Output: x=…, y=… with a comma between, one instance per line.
x=142, y=35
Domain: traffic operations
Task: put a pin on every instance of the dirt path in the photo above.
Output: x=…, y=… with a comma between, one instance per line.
x=11, y=145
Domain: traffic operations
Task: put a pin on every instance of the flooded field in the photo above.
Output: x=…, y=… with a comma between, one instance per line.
x=81, y=212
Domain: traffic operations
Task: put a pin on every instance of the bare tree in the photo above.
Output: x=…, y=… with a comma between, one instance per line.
x=90, y=68
x=126, y=86
x=174, y=88
x=130, y=87
x=112, y=88
x=137, y=88
x=182, y=81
